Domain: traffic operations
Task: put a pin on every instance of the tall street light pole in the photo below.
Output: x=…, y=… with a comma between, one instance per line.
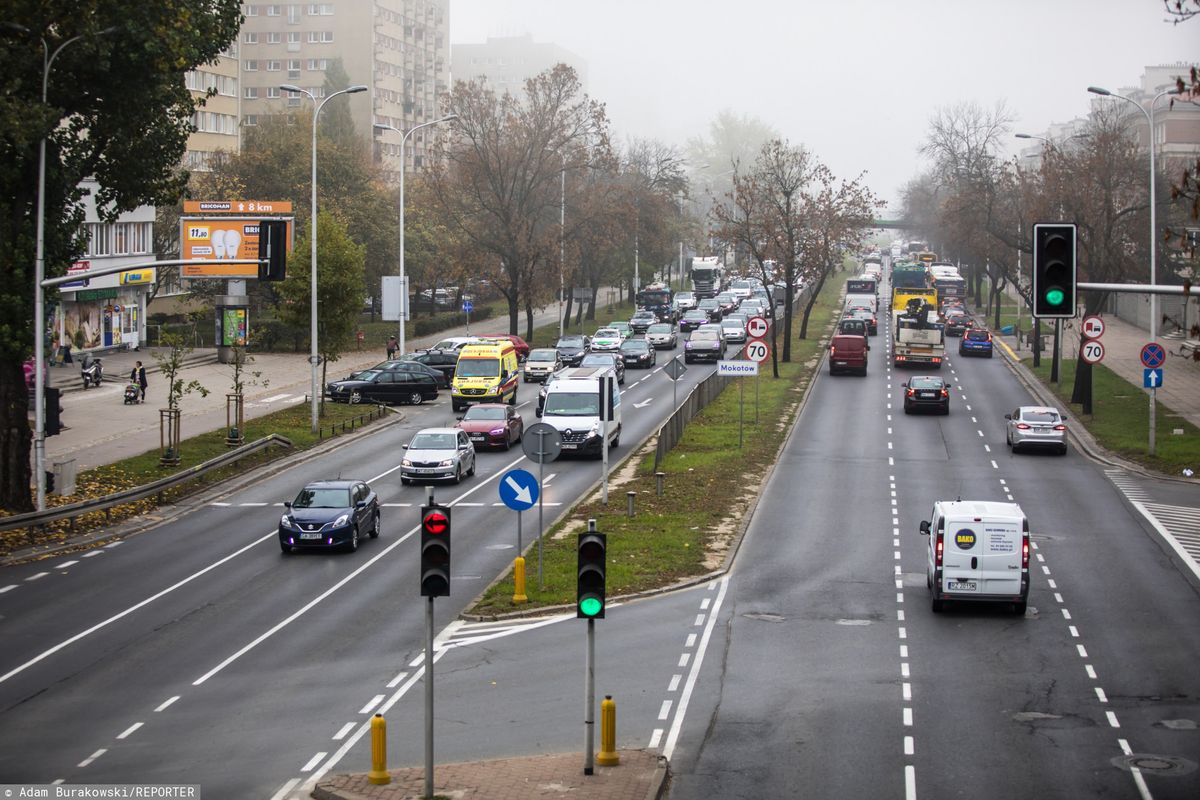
x=39, y=275
x=403, y=280
x=1153, y=227
x=313, y=359
x=562, y=246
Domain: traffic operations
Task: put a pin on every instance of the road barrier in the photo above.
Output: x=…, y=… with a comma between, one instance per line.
x=672, y=430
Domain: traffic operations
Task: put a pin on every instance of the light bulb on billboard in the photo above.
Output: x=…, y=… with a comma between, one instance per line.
x=232, y=239
x=218, y=242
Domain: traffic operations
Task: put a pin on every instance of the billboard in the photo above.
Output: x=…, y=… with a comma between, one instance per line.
x=219, y=239
x=240, y=207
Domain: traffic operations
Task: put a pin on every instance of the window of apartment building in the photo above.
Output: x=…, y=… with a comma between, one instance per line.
x=99, y=239
x=293, y=64
x=251, y=11
x=141, y=234
x=320, y=9
x=250, y=37
x=318, y=64
x=250, y=120
x=293, y=14
x=273, y=11
x=121, y=238
x=250, y=65
x=274, y=37
x=273, y=92
x=317, y=37
x=293, y=37
x=250, y=93
x=274, y=66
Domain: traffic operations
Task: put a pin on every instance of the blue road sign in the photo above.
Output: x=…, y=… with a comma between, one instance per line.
x=518, y=489
x=1152, y=378
x=468, y=306
x=1153, y=355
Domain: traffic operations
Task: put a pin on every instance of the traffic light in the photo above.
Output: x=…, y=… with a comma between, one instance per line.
x=1054, y=271
x=435, y=551
x=53, y=410
x=272, y=248
x=589, y=593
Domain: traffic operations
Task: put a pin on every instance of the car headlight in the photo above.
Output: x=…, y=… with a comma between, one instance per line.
x=687, y=345
x=342, y=520
x=449, y=462
x=595, y=431
x=286, y=521
x=497, y=431
x=406, y=462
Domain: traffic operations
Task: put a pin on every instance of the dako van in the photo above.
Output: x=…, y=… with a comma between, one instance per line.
x=572, y=406
x=978, y=552
x=485, y=373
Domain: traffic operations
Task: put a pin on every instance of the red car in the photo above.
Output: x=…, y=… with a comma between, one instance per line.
x=520, y=344
x=492, y=425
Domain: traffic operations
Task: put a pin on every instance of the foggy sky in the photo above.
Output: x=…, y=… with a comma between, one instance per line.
x=855, y=82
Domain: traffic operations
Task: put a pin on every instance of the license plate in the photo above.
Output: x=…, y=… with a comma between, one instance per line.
x=928, y=394
x=960, y=586
x=566, y=446
x=424, y=470
x=310, y=536
x=476, y=437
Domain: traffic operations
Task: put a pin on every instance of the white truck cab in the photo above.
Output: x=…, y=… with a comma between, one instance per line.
x=978, y=552
x=572, y=406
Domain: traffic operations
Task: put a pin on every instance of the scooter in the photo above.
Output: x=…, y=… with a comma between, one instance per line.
x=92, y=371
x=133, y=394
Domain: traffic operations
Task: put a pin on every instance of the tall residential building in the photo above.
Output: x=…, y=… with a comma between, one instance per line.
x=217, y=121
x=506, y=62
x=398, y=48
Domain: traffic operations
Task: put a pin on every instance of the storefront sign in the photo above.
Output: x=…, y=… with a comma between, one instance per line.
x=272, y=207
x=139, y=276
x=87, y=295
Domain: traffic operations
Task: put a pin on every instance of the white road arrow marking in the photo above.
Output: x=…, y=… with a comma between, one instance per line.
x=523, y=494
x=644, y=403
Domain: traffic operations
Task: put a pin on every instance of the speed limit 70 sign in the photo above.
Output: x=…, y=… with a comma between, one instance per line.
x=757, y=351
x=1092, y=351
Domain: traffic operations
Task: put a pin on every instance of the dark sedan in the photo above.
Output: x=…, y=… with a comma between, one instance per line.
x=329, y=515
x=638, y=353
x=386, y=386
x=867, y=316
x=926, y=391
x=572, y=349
x=642, y=320
x=957, y=323
x=704, y=344
x=693, y=319
x=442, y=361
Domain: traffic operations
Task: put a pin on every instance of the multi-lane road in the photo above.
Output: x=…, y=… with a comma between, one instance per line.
x=815, y=668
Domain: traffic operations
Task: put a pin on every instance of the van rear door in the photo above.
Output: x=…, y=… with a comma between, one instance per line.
x=1000, y=560
x=963, y=547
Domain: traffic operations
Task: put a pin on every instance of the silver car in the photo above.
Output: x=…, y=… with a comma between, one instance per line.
x=662, y=336
x=438, y=454
x=684, y=301
x=1035, y=427
x=733, y=328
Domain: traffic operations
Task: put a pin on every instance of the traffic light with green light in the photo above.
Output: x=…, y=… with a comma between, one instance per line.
x=589, y=594
x=1054, y=272
x=435, y=551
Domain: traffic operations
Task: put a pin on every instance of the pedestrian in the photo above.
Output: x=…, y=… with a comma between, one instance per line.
x=66, y=351
x=138, y=375
x=393, y=346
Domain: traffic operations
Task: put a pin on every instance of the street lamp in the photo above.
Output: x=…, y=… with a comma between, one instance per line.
x=1153, y=224
x=403, y=282
x=39, y=274
x=312, y=234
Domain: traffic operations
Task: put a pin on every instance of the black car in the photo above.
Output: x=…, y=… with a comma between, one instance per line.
x=867, y=316
x=957, y=323
x=926, y=391
x=642, y=320
x=611, y=360
x=573, y=348
x=704, y=344
x=444, y=361
x=387, y=386
x=329, y=515
x=403, y=364
x=693, y=319
x=638, y=353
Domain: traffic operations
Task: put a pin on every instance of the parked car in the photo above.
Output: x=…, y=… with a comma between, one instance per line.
x=442, y=361
x=329, y=515
x=662, y=336
x=638, y=353
x=455, y=343
x=706, y=343
x=607, y=339
x=611, y=360
x=386, y=386
x=573, y=349
x=1036, y=427
x=492, y=425
x=542, y=362
x=691, y=320
x=642, y=320
x=438, y=454
x=975, y=342
x=926, y=392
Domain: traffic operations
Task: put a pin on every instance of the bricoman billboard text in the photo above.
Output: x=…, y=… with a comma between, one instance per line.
x=220, y=240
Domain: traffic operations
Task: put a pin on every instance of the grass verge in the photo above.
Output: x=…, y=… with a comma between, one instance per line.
x=1120, y=419
x=293, y=422
x=684, y=533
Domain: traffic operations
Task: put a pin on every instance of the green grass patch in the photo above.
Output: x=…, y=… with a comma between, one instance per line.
x=1120, y=419
x=683, y=533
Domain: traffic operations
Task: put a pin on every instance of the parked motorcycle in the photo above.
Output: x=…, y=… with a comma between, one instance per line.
x=92, y=371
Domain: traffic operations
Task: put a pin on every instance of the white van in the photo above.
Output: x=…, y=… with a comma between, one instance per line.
x=865, y=300
x=572, y=406
x=978, y=552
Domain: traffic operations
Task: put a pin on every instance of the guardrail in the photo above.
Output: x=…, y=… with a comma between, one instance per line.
x=73, y=510
x=672, y=430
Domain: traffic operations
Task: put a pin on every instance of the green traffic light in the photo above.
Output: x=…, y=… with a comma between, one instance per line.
x=1055, y=296
x=590, y=606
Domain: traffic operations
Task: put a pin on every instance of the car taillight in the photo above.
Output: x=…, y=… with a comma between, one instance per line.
x=945, y=392
x=1025, y=552
x=989, y=337
x=1060, y=427
x=937, y=562
x=1021, y=426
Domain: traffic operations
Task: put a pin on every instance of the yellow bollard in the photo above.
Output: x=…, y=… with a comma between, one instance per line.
x=519, y=579
x=607, y=757
x=379, y=774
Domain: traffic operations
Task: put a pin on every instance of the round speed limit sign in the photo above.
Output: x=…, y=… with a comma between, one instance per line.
x=757, y=350
x=1092, y=351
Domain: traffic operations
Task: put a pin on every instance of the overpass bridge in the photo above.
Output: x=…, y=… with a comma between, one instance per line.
x=891, y=224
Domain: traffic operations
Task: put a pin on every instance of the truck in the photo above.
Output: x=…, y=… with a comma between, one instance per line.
x=707, y=275
x=920, y=340
x=657, y=298
x=901, y=296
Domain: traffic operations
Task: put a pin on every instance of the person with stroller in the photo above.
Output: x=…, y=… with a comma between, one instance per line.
x=138, y=376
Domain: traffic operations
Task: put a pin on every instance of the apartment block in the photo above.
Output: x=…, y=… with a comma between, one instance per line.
x=217, y=120
x=506, y=62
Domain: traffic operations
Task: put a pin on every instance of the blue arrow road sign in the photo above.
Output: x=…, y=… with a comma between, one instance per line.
x=518, y=489
x=1152, y=378
x=468, y=306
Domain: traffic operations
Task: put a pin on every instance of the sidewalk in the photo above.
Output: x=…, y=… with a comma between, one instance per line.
x=641, y=775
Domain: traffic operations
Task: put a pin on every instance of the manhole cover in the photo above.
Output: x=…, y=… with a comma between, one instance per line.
x=1155, y=764
x=764, y=616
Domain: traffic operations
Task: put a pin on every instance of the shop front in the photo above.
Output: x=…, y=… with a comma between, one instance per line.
x=101, y=317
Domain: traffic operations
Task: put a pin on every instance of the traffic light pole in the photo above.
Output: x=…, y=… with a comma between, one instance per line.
x=429, y=697
x=589, y=708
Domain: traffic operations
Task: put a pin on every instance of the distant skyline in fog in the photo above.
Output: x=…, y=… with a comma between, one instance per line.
x=855, y=82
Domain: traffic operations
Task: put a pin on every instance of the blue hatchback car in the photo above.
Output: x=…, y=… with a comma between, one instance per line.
x=975, y=342
x=329, y=515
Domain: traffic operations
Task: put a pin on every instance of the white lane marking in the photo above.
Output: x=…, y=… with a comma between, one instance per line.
x=699, y=620
x=664, y=711
x=1066, y=614
x=396, y=505
x=675, y=679
x=33, y=578
x=286, y=789
x=128, y=731
x=1074, y=631
x=65, y=564
x=891, y=461
x=111, y=545
x=908, y=718
x=1082, y=652
x=166, y=704
x=904, y=651
x=899, y=597
x=974, y=420
x=8, y=588
x=1143, y=789
x=92, y=553
x=312, y=762
x=1045, y=569
x=1112, y=719
x=655, y=738
x=684, y=658
x=1100, y=695
x=253, y=504
x=908, y=746
x=1041, y=558
x=685, y=698
x=987, y=448
x=704, y=603
x=906, y=691
x=889, y=445
x=93, y=757
x=1091, y=671
x=903, y=632
x=548, y=478
x=1052, y=584
x=221, y=505
x=904, y=669
x=394, y=681
x=343, y=731
x=691, y=640
x=376, y=700
x=274, y=398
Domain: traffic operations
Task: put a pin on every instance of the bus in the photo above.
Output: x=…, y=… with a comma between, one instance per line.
x=657, y=297
x=950, y=287
x=926, y=257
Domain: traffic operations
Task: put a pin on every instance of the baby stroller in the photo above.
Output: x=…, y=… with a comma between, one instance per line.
x=133, y=393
